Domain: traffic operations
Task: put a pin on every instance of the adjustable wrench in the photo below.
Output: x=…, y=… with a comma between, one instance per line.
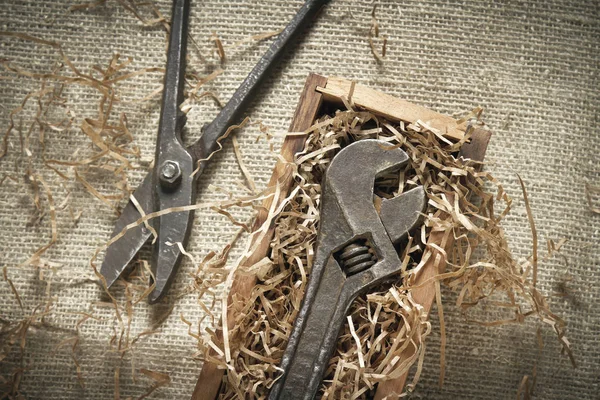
x=355, y=251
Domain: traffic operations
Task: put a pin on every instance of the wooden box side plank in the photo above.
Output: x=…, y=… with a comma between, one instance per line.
x=390, y=107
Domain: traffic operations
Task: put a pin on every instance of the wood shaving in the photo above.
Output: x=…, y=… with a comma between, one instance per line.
x=160, y=379
x=534, y=258
x=12, y=287
x=592, y=192
x=240, y=160
x=373, y=34
x=35, y=258
x=229, y=130
x=218, y=46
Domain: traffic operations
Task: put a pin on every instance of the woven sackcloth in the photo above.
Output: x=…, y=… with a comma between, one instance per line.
x=532, y=65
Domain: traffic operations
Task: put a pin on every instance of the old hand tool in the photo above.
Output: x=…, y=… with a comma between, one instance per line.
x=356, y=249
x=171, y=183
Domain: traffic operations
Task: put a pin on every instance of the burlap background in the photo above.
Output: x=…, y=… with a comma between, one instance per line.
x=532, y=65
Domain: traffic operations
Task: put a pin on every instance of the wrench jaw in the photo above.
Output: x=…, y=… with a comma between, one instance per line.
x=354, y=252
x=396, y=220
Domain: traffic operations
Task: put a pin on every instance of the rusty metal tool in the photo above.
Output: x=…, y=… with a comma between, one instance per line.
x=356, y=250
x=171, y=183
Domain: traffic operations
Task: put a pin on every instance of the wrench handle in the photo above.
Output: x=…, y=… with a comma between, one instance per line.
x=237, y=104
x=316, y=329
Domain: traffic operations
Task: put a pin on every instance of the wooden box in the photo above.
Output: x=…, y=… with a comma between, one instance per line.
x=321, y=93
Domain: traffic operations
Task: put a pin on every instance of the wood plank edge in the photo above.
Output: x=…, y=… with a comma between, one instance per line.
x=365, y=98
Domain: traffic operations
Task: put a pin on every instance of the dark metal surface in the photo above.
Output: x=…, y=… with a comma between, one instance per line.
x=174, y=227
x=350, y=224
x=397, y=228
x=160, y=190
x=231, y=113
